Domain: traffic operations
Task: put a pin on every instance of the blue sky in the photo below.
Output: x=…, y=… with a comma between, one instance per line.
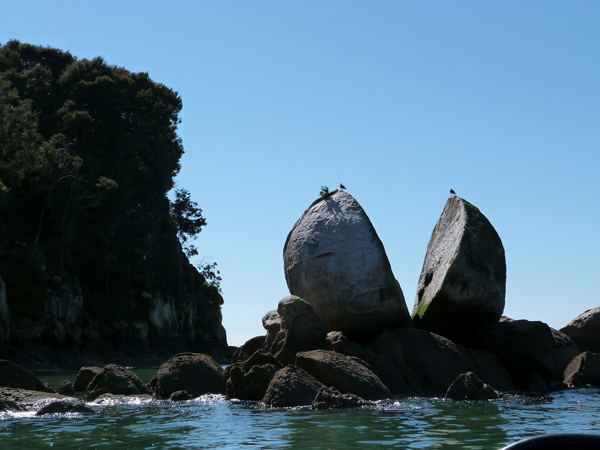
x=399, y=100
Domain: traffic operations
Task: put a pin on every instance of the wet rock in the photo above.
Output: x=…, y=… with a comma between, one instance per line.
x=344, y=373
x=63, y=407
x=468, y=386
x=196, y=373
x=12, y=375
x=583, y=369
x=291, y=386
x=429, y=362
x=180, y=396
x=491, y=371
x=585, y=330
x=331, y=398
x=334, y=260
x=115, y=380
x=9, y=405
x=250, y=379
x=84, y=377
x=66, y=388
x=463, y=280
x=27, y=398
x=301, y=330
x=247, y=350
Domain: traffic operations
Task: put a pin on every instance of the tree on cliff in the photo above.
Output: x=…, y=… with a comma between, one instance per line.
x=88, y=152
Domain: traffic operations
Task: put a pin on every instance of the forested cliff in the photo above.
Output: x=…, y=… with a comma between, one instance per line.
x=89, y=248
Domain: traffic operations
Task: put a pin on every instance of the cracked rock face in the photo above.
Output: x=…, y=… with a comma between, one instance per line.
x=463, y=280
x=335, y=261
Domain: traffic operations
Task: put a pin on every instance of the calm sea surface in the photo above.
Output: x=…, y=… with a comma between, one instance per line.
x=212, y=422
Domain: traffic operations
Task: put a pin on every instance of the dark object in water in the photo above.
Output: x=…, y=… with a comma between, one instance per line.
x=562, y=441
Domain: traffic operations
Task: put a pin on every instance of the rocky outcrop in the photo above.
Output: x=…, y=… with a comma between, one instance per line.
x=250, y=379
x=491, y=371
x=585, y=330
x=195, y=373
x=525, y=347
x=84, y=377
x=4, y=315
x=331, y=398
x=115, y=380
x=468, y=386
x=246, y=350
x=301, y=330
x=335, y=261
x=66, y=388
x=583, y=370
x=346, y=374
x=14, y=376
x=291, y=386
x=271, y=322
x=463, y=280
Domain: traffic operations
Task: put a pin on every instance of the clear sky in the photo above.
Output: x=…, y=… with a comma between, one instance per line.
x=398, y=100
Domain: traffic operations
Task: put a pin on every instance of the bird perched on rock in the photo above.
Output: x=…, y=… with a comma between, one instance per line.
x=452, y=192
x=342, y=186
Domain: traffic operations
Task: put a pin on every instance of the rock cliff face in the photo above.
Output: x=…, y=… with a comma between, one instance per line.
x=4, y=315
x=334, y=260
x=463, y=280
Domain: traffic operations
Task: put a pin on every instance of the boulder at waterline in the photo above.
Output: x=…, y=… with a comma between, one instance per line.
x=463, y=280
x=291, y=386
x=250, y=379
x=334, y=260
x=491, y=370
x=428, y=362
x=66, y=388
x=196, y=373
x=526, y=346
x=84, y=377
x=301, y=330
x=585, y=330
x=63, y=407
x=180, y=396
x=331, y=398
x=584, y=369
x=468, y=386
x=345, y=373
x=115, y=380
x=12, y=375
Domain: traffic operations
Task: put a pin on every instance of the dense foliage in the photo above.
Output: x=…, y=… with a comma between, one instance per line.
x=88, y=152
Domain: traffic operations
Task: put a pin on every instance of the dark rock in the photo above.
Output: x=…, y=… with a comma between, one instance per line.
x=344, y=373
x=115, y=380
x=428, y=362
x=180, y=396
x=463, y=280
x=12, y=375
x=535, y=382
x=63, y=311
x=27, y=398
x=84, y=377
x=491, y=371
x=9, y=405
x=331, y=398
x=66, y=388
x=4, y=315
x=195, y=373
x=249, y=380
x=468, y=386
x=334, y=260
x=301, y=330
x=291, y=386
x=247, y=350
x=63, y=407
x=271, y=322
x=524, y=346
x=583, y=369
x=585, y=330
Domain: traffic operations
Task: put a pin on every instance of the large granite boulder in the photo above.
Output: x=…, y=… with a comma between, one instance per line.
x=291, y=386
x=428, y=362
x=585, y=330
x=196, y=373
x=301, y=330
x=463, y=280
x=525, y=348
x=583, y=370
x=345, y=373
x=115, y=380
x=334, y=260
x=14, y=376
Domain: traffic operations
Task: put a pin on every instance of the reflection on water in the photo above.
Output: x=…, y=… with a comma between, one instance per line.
x=214, y=422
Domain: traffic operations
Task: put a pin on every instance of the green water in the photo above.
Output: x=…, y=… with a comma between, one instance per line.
x=211, y=422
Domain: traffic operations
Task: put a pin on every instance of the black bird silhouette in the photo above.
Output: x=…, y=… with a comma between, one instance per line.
x=342, y=186
x=452, y=192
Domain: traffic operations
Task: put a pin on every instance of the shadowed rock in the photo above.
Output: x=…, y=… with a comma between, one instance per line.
x=66, y=388
x=196, y=373
x=115, y=380
x=248, y=348
x=463, y=280
x=12, y=375
x=335, y=261
x=250, y=379
x=63, y=407
x=585, y=330
x=290, y=387
x=584, y=369
x=331, y=398
x=468, y=386
x=84, y=377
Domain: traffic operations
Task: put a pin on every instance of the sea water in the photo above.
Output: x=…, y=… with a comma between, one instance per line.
x=213, y=422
